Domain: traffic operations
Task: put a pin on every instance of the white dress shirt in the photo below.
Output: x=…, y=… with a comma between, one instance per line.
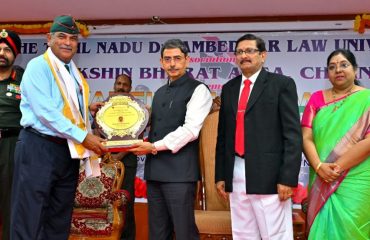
x=198, y=108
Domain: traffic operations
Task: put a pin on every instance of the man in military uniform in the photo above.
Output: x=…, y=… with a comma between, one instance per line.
x=10, y=115
x=55, y=137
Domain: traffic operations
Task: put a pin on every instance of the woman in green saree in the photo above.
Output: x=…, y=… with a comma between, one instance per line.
x=336, y=133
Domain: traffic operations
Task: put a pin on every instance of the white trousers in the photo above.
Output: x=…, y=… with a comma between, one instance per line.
x=258, y=216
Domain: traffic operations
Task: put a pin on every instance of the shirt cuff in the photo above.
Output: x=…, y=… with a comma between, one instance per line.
x=160, y=146
x=80, y=135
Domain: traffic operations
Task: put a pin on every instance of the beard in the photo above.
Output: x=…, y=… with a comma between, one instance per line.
x=5, y=63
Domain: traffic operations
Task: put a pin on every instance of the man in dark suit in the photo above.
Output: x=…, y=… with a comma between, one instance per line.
x=172, y=169
x=259, y=142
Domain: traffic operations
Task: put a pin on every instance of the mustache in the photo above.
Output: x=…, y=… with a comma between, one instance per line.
x=4, y=59
x=245, y=60
x=66, y=47
x=121, y=91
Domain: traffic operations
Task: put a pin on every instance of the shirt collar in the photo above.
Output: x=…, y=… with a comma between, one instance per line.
x=252, y=78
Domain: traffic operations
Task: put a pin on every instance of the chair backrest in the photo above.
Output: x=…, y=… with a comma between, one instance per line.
x=208, y=139
x=95, y=192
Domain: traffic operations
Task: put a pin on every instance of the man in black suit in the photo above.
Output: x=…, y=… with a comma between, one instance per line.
x=172, y=169
x=259, y=143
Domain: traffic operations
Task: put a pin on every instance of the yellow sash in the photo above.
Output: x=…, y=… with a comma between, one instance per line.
x=69, y=109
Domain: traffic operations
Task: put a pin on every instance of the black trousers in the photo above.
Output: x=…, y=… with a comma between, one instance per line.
x=171, y=211
x=44, y=184
x=130, y=162
x=7, y=147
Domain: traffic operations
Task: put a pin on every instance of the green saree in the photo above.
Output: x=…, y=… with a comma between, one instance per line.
x=340, y=210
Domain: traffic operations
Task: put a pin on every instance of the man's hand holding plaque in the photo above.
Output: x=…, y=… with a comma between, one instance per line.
x=121, y=120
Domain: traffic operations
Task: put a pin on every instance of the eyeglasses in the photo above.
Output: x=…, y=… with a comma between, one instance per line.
x=176, y=59
x=248, y=51
x=334, y=67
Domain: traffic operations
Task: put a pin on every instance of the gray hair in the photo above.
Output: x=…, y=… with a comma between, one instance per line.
x=175, y=43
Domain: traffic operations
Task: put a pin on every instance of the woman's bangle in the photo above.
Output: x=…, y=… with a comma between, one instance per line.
x=318, y=166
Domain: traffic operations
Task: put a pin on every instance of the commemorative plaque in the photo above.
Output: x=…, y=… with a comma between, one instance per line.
x=121, y=120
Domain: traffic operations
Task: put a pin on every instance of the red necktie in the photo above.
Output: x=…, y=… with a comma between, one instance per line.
x=239, y=133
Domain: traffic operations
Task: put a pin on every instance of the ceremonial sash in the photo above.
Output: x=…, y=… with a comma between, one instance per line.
x=66, y=83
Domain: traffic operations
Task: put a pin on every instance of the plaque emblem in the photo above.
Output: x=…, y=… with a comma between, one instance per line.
x=121, y=121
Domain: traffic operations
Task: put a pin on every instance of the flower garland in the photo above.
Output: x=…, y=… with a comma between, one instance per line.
x=361, y=22
x=40, y=28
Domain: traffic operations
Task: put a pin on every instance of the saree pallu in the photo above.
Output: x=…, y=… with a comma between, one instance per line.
x=341, y=209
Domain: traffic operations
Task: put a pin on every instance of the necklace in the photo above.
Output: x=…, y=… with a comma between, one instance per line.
x=334, y=94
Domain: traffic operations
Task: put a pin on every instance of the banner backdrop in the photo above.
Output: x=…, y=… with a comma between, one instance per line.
x=301, y=55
